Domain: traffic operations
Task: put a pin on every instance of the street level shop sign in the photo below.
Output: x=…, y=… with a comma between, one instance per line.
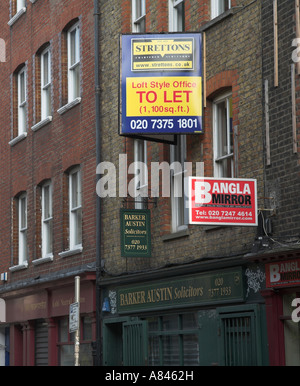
x=222, y=201
x=283, y=274
x=135, y=233
x=199, y=289
x=161, y=91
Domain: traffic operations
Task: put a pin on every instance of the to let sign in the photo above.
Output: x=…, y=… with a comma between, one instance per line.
x=135, y=233
x=161, y=77
x=222, y=201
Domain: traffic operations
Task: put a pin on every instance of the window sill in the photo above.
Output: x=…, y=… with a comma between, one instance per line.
x=17, y=139
x=176, y=235
x=33, y=1
x=71, y=252
x=42, y=260
x=68, y=106
x=42, y=123
x=16, y=16
x=220, y=17
x=18, y=267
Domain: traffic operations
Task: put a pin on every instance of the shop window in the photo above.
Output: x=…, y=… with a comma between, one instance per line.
x=176, y=15
x=219, y=6
x=138, y=16
x=66, y=343
x=173, y=340
x=223, y=137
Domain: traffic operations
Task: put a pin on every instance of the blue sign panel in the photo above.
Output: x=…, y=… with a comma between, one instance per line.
x=161, y=78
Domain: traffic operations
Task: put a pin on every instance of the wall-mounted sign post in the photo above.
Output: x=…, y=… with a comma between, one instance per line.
x=222, y=201
x=135, y=233
x=161, y=79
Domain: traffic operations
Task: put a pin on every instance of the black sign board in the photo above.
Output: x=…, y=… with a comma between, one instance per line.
x=135, y=232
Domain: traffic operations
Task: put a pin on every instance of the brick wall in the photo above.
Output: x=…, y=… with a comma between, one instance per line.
x=233, y=60
x=282, y=175
x=49, y=152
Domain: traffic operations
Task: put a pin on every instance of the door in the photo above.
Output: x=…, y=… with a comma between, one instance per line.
x=135, y=346
x=233, y=336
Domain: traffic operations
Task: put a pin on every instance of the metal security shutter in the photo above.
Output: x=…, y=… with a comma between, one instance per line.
x=239, y=339
x=41, y=343
x=135, y=348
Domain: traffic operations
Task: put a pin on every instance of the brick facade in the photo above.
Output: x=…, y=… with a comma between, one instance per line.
x=231, y=64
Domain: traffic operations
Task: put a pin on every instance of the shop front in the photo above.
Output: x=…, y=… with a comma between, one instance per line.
x=38, y=318
x=282, y=297
x=206, y=318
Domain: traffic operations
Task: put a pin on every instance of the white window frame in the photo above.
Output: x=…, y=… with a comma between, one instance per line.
x=19, y=5
x=73, y=65
x=218, y=7
x=22, y=101
x=46, y=85
x=222, y=155
x=75, y=209
x=176, y=19
x=22, y=229
x=138, y=16
x=141, y=172
x=47, y=220
x=178, y=173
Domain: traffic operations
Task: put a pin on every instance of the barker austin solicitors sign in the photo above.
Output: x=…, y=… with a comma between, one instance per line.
x=222, y=201
x=161, y=79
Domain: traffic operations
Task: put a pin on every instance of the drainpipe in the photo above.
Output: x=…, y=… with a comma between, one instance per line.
x=98, y=200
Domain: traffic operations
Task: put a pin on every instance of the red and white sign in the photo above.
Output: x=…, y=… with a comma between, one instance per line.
x=224, y=201
x=283, y=274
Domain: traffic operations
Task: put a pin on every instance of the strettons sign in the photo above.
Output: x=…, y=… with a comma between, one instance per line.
x=161, y=78
x=222, y=201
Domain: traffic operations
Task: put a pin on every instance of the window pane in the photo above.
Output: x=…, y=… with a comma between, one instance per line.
x=46, y=202
x=170, y=322
x=189, y=321
x=73, y=47
x=46, y=75
x=180, y=17
x=78, y=230
x=67, y=355
x=76, y=81
x=22, y=97
x=87, y=328
x=171, y=350
x=23, y=213
x=63, y=330
x=153, y=350
x=191, y=350
x=74, y=182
